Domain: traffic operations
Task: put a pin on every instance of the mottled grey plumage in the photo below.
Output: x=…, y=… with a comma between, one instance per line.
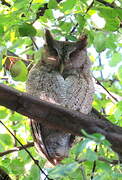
x=62, y=77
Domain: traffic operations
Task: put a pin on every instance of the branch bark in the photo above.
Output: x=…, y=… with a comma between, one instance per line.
x=55, y=116
x=19, y=148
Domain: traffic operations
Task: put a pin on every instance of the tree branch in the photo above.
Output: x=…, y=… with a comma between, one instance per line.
x=100, y=158
x=19, y=148
x=98, y=82
x=112, y=5
x=3, y=2
x=57, y=117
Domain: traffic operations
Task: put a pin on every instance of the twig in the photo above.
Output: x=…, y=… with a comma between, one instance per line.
x=19, y=148
x=89, y=7
x=34, y=43
x=35, y=161
x=83, y=172
x=114, y=162
x=98, y=82
x=106, y=3
x=3, y=2
x=100, y=64
x=101, y=75
x=94, y=165
x=30, y=4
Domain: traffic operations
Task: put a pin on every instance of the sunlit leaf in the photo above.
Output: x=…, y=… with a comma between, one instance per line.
x=17, y=166
x=49, y=14
x=6, y=139
x=65, y=26
x=116, y=58
x=112, y=25
x=119, y=73
x=3, y=113
x=52, y=4
x=68, y=5
x=81, y=21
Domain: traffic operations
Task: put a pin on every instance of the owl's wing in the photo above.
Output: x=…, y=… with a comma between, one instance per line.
x=48, y=86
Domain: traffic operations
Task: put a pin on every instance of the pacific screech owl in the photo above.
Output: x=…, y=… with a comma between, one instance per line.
x=62, y=76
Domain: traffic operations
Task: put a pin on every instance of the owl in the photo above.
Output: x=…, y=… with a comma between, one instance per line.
x=62, y=77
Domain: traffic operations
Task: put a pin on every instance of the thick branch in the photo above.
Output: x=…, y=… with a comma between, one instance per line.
x=55, y=116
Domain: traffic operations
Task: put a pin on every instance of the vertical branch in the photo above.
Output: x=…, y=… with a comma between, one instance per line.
x=94, y=165
x=100, y=64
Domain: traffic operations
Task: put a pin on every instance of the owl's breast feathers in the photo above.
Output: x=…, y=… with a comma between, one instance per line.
x=74, y=92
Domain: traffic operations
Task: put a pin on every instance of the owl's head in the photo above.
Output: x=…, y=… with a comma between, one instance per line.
x=63, y=51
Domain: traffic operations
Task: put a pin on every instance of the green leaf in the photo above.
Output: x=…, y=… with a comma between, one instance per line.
x=34, y=172
x=4, y=19
x=6, y=139
x=71, y=38
x=116, y=58
x=119, y=105
x=49, y=14
x=19, y=71
x=81, y=21
x=68, y=5
x=112, y=25
x=119, y=12
x=16, y=117
x=1, y=30
x=1, y=57
x=63, y=170
x=81, y=146
x=104, y=166
x=52, y=4
x=99, y=41
x=111, y=41
x=91, y=155
x=65, y=26
x=3, y=113
x=107, y=12
x=109, y=1
x=27, y=30
x=119, y=73
x=17, y=166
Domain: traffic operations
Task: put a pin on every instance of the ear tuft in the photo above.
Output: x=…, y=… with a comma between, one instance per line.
x=82, y=42
x=83, y=38
x=49, y=37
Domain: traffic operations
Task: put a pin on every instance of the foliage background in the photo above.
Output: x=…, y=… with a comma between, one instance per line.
x=22, y=25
